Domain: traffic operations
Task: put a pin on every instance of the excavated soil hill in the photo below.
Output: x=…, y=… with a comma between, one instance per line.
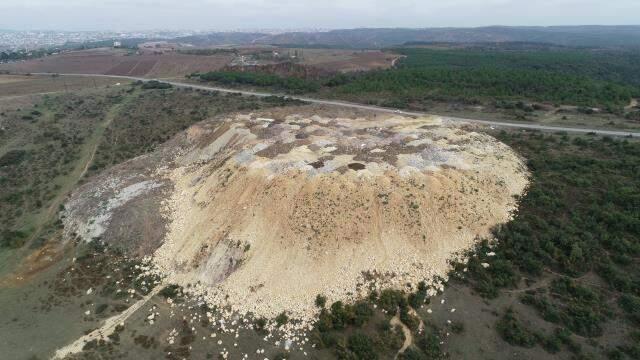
x=263, y=214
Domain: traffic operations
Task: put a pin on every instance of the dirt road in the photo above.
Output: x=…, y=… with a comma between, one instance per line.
x=106, y=329
x=373, y=108
x=408, y=336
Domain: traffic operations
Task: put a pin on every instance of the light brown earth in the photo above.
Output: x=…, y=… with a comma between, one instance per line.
x=173, y=64
x=13, y=86
x=119, y=62
x=347, y=60
x=264, y=213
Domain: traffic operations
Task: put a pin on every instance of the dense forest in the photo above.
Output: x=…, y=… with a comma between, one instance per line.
x=289, y=84
x=574, y=247
x=607, y=79
x=8, y=56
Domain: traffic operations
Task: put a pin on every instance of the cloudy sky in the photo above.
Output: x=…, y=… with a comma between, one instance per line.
x=289, y=14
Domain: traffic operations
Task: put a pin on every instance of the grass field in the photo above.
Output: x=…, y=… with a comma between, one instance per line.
x=14, y=86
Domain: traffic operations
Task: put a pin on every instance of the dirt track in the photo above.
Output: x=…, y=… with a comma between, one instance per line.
x=107, y=328
x=345, y=104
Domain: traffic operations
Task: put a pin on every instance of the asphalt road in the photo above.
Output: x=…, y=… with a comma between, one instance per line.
x=494, y=124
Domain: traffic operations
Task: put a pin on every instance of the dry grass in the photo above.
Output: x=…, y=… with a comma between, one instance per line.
x=13, y=86
x=172, y=64
x=347, y=60
x=119, y=62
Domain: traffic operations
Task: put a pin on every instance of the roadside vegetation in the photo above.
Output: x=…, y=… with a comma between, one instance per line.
x=290, y=85
x=606, y=80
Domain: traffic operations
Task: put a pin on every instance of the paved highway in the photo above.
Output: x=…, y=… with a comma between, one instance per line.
x=496, y=124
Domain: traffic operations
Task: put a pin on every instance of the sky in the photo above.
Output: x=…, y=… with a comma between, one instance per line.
x=121, y=15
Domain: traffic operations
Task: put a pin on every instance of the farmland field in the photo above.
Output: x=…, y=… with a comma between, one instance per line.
x=120, y=62
x=177, y=64
x=12, y=86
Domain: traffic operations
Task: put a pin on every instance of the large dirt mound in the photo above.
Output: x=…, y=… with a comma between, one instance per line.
x=265, y=214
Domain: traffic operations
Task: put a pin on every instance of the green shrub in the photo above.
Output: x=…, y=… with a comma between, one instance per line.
x=281, y=319
x=631, y=305
x=171, y=291
x=13, y=157
x=362, y=346
x=390, y=299
x=513, y=332
x=321, y=301
x=12, y=239
x=154, y=84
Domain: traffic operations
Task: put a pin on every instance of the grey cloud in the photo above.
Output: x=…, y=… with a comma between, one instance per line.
x=251, y=14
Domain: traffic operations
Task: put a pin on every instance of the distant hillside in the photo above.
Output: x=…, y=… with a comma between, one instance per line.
x=222, y=38
x=588, y=36
x=574, y=36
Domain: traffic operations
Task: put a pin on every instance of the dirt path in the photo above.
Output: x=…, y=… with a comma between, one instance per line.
x=34, y=259
x=82, y=168
x=107, y=328
x=408, y=336
x=632, y=104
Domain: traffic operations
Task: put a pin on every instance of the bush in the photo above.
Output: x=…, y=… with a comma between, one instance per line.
x=513, y=332
x=281, y=356
x=631, y=305
x=390, y=299
x=171, y=291
x=411, y=321
x=13, y=157
x=362, y=313
x=457, y=327
x=339, y=315
x=412, y=353
x=321, y=301
x=418, y=298
x=154, y=84
x=12, y=239
x=281, y=319
x=362, y=346
x=429, y=343
x=289, y=84
x=260, y=324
